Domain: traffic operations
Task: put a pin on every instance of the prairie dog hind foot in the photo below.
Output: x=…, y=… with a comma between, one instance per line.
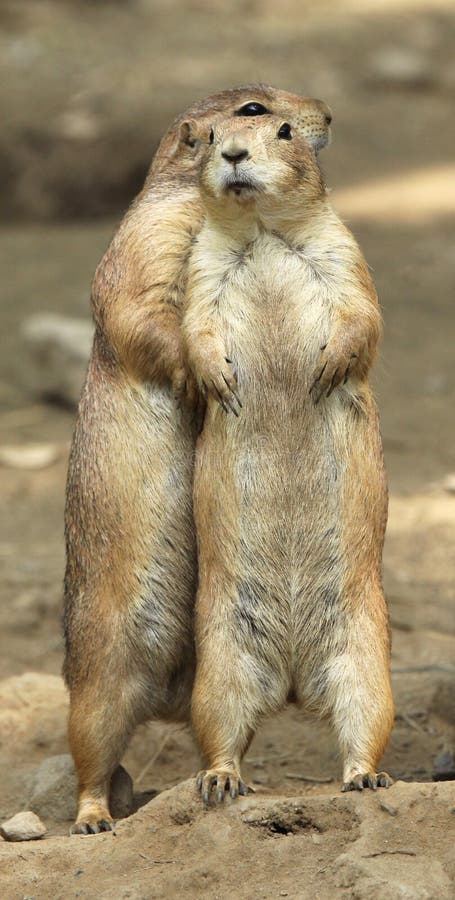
x=93, y=818
x=225, y=781
x=371, y=780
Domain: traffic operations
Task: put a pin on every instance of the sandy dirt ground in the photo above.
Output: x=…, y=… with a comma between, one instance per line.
x=298, y=837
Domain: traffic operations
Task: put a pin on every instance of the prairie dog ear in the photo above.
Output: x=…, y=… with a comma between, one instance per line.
x=188, y=133
x=185, y=140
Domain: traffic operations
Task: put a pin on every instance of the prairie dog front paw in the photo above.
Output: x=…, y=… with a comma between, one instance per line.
x=338, y=360
x=217, y=377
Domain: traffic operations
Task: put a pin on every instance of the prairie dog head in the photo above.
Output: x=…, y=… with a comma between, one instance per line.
x=311, y=118
x=265, y=160
x=183, y=144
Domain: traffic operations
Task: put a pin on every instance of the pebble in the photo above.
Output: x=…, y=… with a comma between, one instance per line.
x=29, y=456
x=388, y=808
x=58, y=349
x=401, y=67
x=24, y=826
x=444, y=766
x=121, y=797
x=54, y=787
x=449, y=483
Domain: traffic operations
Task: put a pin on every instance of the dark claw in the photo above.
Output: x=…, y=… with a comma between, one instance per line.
x=199, y=782
x=221, y=401
x=315, y=392
x=208, y=790
x=348, y=370
x=233, y=409
x=104, y=825
x=322, y=371
x=219, y=795
x=244, y=789
x=333, y=384
x=317, y=386
x=384, y=780
x=370, y=780
x=228, y=360
x=233, y=792
x=232, y=391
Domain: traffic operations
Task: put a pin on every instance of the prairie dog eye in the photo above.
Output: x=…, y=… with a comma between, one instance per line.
x=284, y=132
x=253, y=108
x=211, y=136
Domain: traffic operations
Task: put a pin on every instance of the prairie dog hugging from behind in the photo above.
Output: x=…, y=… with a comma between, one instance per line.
x=281, y=325
x=131, y=564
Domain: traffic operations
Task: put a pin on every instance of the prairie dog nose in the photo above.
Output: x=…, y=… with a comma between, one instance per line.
x=325, y=110
x=233, y=149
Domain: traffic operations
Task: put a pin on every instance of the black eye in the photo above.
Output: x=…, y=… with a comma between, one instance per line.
x=252, y=109
x=211, y=136
x=284, y=132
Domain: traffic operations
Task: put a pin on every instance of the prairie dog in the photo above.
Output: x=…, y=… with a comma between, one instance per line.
x=281, y=324
x=131, y=560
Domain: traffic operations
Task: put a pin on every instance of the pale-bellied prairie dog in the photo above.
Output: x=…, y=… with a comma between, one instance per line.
x=131, y=562
x=290, y=498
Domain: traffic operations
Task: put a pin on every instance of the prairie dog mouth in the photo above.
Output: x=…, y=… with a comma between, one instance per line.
x=240, y=185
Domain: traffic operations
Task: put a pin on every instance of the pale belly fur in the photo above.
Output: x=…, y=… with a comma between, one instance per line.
x=275, y=477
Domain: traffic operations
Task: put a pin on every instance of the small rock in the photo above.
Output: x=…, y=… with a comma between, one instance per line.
x=443, y=702
x=29, y=456
x=79, y=125
x=25, y=826
x=401, y=67
x=449, y=483
x=121, y=798
x=53, y=792
x=388, y=808
x=444, y=766
x=59, y=349
x=54, y=788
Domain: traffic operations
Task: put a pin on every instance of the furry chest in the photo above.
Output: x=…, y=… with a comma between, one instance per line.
x=274, y=312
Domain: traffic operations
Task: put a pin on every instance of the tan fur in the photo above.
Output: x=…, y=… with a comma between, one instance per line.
x=131, y=560
x=281, y=326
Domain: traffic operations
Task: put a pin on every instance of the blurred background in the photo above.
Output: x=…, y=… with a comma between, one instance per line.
x=86, y=90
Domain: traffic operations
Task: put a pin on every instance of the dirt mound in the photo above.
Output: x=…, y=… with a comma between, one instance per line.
x=361, y=846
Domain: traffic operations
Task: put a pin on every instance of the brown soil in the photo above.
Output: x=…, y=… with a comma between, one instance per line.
x=296, y=838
